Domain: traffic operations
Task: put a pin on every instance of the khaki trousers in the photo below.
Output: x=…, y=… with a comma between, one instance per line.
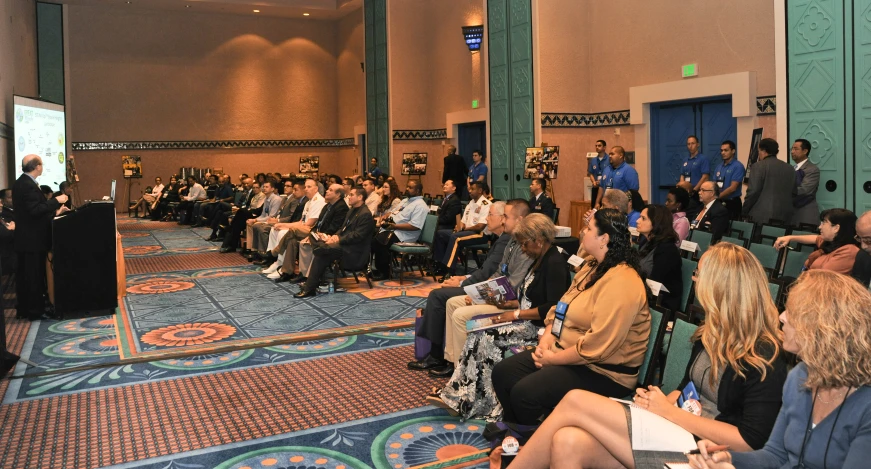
x=455, y=325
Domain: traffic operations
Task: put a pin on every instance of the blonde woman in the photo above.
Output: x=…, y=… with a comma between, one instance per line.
x=825, y=421
x=736, y=367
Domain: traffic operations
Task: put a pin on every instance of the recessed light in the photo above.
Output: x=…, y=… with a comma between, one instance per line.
x=256, y=11
x=187, y=6
x=305, y=14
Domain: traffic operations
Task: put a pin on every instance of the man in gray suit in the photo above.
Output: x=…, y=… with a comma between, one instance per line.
x=807, y=180
x=772, y=186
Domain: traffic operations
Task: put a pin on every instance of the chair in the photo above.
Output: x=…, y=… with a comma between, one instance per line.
x=437, y=201
x=338, y=267
x=799, y=246
x=688, y=266
x=770, y=232
x=427, y=234
x=776, y=288
x=658, y=322
x=794, y=263
x=556, y=215
x=679, y=351
x=473, y=251
x=768, y=256
x=703, y=239
x=744, y=228
x=736, y=241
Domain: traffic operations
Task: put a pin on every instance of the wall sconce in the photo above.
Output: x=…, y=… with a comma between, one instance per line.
x=473, y=36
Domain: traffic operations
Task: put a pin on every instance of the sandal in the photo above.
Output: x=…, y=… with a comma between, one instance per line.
x=436, y=401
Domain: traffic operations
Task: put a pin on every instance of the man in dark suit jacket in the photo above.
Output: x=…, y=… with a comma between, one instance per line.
x=351, y=243
x=451, y=209
x=540, y=202
x=455, y=170
x=713, y=216
x=33, y=215
x=772, y=186
x=862, y=266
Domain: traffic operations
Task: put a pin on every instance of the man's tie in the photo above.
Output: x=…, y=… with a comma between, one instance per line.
x=323, y=217
x=701, y=215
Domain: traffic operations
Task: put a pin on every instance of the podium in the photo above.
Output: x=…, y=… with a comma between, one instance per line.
x=83, y=270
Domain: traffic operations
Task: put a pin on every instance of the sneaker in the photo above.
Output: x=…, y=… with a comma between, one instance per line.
x=271, y=269
x=274, y=275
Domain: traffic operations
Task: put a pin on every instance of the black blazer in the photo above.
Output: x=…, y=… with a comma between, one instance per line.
x=749, y=403
x=666, y=270
x=355, y=237
x=862, y=267
x=297, y=212
x=455, y=170
x=544, y=205
x=332, y=220
x=715, y=221
x=491, y=263
x=33, y=215
x=550, y=283
x=448, y=211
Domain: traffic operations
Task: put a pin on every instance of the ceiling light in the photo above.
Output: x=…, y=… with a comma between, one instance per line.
x=256, y=11
x=305, y=14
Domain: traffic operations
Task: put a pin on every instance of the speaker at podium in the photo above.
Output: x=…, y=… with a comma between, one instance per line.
x=83, y=269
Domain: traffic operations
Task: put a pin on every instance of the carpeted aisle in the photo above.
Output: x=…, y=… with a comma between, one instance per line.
x=209, y=364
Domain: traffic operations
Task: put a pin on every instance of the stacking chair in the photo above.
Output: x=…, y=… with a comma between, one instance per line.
x=793, y=265
x=658, y=323
x=769, y=233
x=427, y=234
x=742, y=229
x=679, y=351
x=686, y=274
x=768, y=256
x=736, y=241
x=802, y=247
x=704, y=239
x=556, y=215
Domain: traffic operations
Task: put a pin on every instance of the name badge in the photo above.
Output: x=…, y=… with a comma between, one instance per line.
x=575, y=261
x=689, y=400
x=690, y=246
x=720, y=184
x=559, y=317
x=503, y=268
x=655, y=287
x=686, y=178
x=478, y=210
x=599, y=177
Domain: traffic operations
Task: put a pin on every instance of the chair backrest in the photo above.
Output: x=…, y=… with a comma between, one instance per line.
x=556, y=215
x=802, y=247
x=768, y=256
x=774, y=288
x=438, y=201
x=794, y=263
x=742, y=229
x=771, y=233
x=736, y=241
x=686, y=276
x=427, y=233
x=657, y=330
x=679, y=351
x=703, y=239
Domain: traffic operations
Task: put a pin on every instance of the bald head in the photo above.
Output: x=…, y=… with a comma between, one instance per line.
x=334, y=192
x=863, y=231
x=32, y=165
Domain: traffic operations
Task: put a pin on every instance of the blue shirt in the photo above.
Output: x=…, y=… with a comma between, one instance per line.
x=633, y=219
x=725, y=175
x=695, y=168
x=478, y=170
x=850, y=445
x=597, y=166
x=623, y=178
x=375, y=172
x=412, y=210
x=224, y=192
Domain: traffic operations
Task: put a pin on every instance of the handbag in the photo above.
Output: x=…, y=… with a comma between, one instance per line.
x=385, y=237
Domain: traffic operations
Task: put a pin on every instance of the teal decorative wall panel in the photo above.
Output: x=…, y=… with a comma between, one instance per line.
x=512, y=111
x=50, y=51
x=377, y=108
x=862, y=59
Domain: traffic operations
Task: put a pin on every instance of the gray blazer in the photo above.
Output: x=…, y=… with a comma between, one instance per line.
x=770, y=191
x=806, y=208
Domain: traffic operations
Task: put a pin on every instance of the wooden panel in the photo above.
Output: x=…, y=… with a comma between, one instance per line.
x=576, y=215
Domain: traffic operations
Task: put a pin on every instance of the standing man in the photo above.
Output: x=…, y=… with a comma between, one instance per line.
x=617, y=175
x=772, y=186
x=478, y=170
x=455, y=170
x=33, y=215
x=695, y=169
x=374, y=170
x=807, y=181
x=596, y=168
x=405, y=224
x=470, y=231
x=729, y=176
x=540, y=202
x=450, y=210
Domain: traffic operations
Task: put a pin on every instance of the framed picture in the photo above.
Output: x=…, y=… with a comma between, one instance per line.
x=132, y=166
x=309, y=164
x=413, y=164
x=541, y=162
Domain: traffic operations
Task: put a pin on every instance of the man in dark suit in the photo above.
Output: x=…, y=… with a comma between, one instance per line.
x=772, y=186
x=540, y=202
x=807, y=181
x=450, y=210
x=221, y=218
x=713, y=216
x=33, y=215
x=862, y=266
x=351, y=244
x=455, y=170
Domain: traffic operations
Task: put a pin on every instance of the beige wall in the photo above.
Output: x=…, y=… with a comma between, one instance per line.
x=351, y=49
x=17, y=70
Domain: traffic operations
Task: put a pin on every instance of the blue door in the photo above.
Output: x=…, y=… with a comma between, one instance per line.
x=710, y=121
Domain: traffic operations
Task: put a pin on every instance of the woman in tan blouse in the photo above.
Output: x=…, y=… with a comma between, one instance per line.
x=836, y=244
x=594, y=339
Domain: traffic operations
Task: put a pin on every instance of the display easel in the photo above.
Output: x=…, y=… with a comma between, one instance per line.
x=549, y=191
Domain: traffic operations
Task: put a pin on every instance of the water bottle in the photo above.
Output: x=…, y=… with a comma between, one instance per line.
x=402, y=293
x=332, y=288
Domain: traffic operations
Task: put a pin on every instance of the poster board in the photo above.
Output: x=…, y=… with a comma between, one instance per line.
x=131, y=166
x=309, y=164
x=542, y=162
x=414, y=164
x=754, y=151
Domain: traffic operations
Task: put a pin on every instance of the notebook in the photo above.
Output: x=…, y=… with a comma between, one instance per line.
x=650, y=432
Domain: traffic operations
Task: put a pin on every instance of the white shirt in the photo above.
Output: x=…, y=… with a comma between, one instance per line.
x=476, y=212
x=313, y=207
x=798, y=166
x=156, y=190
x=373, y=201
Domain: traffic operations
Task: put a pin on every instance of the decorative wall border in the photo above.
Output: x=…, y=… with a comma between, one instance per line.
x=434, y=134
x=212, y=144
x=6, y=131
x=766, y=105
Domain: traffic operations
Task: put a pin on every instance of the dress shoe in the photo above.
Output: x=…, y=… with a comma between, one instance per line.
x=212, y=238
x=305, y=294
x=443, y=371
x=271, y=269
x=227, y=249
x=274, y=275
x=300, y=279
x=252, y=257
x=265, y=261
x=283, y=278
x=219, y=239
x=427, y=363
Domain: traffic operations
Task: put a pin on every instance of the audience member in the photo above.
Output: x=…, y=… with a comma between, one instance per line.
x=451, y=209
x=390, y=199
x=596, y=167
x=807, y=181
x=271, y=206
x=46, y=192
x=220, y=219
x=862, y=265
x=260, y=178
x=148, y=199
x=372, y=197
x=636, y=204
x=540, y=202
x=729, y=176
x=211, y=188
x=222, y=200
x=617, y=174
x=169, y=195
x=713, y=216
x=195, y=193
x=827, y=323
x=351, y=244
x=737, y=369
x=505, y=258
x=240, y=219
x=455, y=170
x=836, y=244
x=771, y=190
x=448, y=243
x=677, y=201
x=258, y=199
x=470, y=392
x=259, y=240
x=283, y=233
x=597, y=340
x=347, y=184
x=403, y=226
x=660, y=256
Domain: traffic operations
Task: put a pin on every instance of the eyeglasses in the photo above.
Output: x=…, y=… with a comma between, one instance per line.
x=863, y=239
x=706, y=190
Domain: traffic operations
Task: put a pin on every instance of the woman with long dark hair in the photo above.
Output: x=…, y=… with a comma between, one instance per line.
x=660, y=256
x=390, y=198
x=836, y=244
x=594, y=339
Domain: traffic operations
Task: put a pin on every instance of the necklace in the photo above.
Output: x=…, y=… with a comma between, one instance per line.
x=833, y=399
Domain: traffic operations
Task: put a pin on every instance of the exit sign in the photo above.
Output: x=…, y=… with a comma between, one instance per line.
x=690, y=70
x=474, y=104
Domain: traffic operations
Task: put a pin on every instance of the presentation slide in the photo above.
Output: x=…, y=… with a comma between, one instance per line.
x=40, y=129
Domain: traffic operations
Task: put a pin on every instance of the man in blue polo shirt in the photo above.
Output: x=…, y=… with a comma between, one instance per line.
x=477, y=172
x=617, y=175
x=596, y=167
x=729, y=176
x=694, y=170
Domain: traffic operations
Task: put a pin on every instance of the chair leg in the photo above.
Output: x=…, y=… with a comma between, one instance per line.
x=402, y=261
x=369, y=281
x=355, y=277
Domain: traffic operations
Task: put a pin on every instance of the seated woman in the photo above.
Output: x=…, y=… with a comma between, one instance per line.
x=825, y=420
x=677, y=200
x=636, y=203
x=836, y=244
x=736, y=366
x=148, y=200
x=171, y=193
x=469, y=392
x=598, y=339
x=660, y=256
x=390, y=199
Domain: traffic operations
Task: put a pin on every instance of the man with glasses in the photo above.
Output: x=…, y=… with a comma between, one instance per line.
x=713, y=216
x=862, y=266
